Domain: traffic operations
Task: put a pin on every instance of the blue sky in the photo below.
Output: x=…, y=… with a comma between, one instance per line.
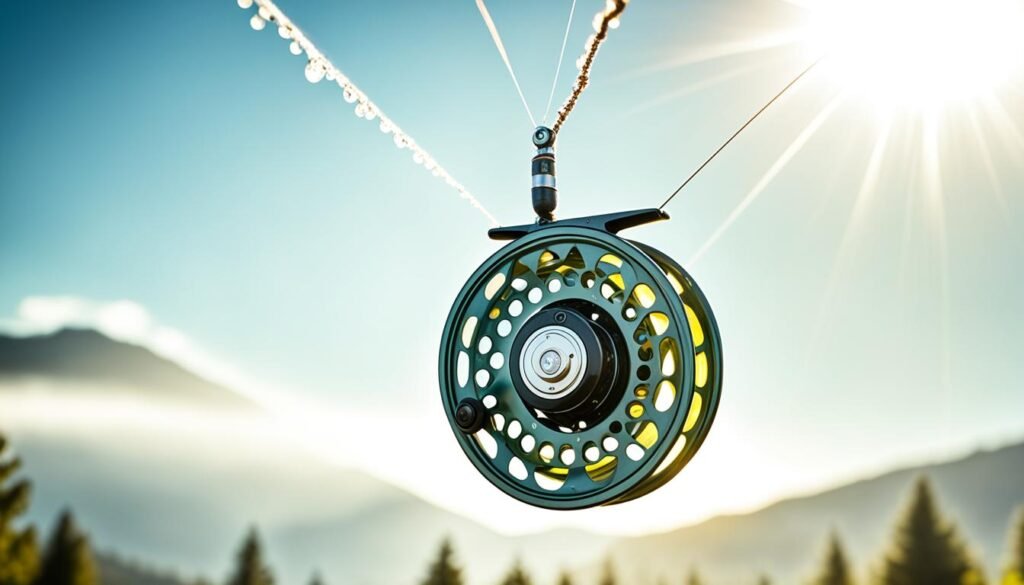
x=168, y=154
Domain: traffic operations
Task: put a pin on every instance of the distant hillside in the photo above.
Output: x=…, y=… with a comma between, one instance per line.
x=183, y=511
x=113, y=570
x=179, y=512
x=978, y=492
x=183, y=500
x=85, y=356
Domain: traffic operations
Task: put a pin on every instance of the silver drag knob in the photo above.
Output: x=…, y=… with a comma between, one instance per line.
x=553, y=361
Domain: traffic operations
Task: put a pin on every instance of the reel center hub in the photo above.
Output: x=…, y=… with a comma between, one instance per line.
x=552, y=361
x=568, y=363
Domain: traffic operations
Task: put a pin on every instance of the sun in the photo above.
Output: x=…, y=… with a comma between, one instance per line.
x=918, y=53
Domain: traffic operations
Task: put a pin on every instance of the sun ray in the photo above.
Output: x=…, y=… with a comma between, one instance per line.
x=767, y=178
x=986, y=160
x=918, y=53
x=861, y=203
x=932, y=176
x=717, y=51
x=1006, y=127
x=853, y=130
x=695, y=87
x=913, y=157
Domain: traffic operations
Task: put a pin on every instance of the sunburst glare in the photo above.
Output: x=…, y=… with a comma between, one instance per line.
x=918, y=53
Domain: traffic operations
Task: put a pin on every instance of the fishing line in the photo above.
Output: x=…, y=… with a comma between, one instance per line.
x=575, y=367
x=319, y=67
x=504, y=55
x=561, y=58
x=603, y=21
x=741, y=129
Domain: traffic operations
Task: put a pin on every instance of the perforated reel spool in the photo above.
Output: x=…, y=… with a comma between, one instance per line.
x=580, y=369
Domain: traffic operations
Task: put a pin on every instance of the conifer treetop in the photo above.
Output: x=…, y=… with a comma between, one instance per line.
x=19, y=549
x=68, y=559
x=926, y=547
x=608, y=573
x=443, y=570
x=250, y=566
x=517, y=575
x=835, y=567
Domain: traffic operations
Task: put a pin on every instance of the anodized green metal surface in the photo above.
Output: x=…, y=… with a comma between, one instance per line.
x=484, y=321
x=711, y=392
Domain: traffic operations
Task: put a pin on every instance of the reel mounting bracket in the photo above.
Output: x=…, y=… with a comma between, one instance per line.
x=612, y=223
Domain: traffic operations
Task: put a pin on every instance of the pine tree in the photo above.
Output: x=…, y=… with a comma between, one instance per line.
x=835, y=569
x=68, y=559
x=608, y=575
x=1014, y=574
x=926, y=547
x=517, y=576
x=250, y=567
x=694, y=578
x=19, y=553
x=444, y=571
x=564, y=578
x=316, y=579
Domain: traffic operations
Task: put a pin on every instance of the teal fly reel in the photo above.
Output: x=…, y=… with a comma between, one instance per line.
x=578, y=368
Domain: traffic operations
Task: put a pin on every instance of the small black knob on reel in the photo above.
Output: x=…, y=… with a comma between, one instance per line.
x=469, y=416
x=545, y=193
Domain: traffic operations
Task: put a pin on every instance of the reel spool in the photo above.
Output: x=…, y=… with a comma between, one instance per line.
x=578, y=368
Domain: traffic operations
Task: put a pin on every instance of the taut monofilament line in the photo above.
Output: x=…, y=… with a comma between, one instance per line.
x=740, y=130
x=493, y=29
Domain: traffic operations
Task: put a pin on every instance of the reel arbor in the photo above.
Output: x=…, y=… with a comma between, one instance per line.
x=578, y=368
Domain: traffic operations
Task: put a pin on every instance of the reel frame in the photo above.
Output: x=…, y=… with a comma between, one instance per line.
x=641, y=439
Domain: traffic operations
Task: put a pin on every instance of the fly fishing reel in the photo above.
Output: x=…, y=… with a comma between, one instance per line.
x=579, y=368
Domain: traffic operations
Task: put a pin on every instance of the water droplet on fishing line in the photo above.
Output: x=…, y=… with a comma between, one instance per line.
x=314, y=72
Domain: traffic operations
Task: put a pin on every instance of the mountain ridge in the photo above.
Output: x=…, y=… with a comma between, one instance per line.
x=783, y=538
x=87, y=355
x=317, y=516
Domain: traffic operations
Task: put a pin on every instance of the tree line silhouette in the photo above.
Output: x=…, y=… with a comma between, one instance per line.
x=925, y=549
